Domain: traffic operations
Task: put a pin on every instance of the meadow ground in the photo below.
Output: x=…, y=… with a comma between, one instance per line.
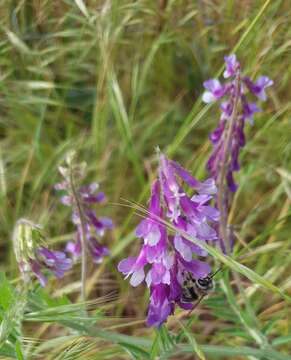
x=113, y=79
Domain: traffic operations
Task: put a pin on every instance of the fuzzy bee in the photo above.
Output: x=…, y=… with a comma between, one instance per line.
x=196, y=289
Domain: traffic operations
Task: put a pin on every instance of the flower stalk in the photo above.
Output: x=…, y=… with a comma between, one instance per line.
x=89, y=228
x=82, y=233
x=222, y=201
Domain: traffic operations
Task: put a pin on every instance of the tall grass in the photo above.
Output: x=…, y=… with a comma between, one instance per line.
x=113, y=79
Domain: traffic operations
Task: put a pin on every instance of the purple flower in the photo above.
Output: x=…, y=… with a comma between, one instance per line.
x=160, y=306
x=249, y=109
x=97, y=250
x=82, y=201
x=258, y=87
x=54, y=261
x=231, y=66
x=163, y=258
x=134, y=267
x=228, y=138
x=215, y=90
x=236, y=109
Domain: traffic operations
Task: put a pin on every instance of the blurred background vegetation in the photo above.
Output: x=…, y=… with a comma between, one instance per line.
x=113, y=79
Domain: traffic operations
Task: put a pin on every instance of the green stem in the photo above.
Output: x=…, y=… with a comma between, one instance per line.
x=82, y=236
x=221, y=183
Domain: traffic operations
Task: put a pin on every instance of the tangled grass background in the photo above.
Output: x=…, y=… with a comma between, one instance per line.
x=112, y=79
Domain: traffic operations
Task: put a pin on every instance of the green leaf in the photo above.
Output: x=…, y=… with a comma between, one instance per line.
x=6, y=292
x=135, y=351
x=166, y=338
x=18, y=351
x=193, y=343
x=155, y=349
x=222, y=351
x=81, y=5
x=281, y=340
x=232, y=264
x=7, y=351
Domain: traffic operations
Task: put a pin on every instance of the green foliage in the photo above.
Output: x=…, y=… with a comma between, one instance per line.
x=112, y=79
x=6, y=292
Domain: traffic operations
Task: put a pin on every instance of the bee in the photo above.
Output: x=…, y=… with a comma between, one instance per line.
x=196, y=289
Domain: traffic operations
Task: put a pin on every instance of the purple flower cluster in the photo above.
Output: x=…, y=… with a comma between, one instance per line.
x=164, y=258
x=85, y=219
x=228, y=137
x=33, y=257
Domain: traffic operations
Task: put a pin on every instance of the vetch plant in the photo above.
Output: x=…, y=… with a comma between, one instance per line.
x=165, y=259
x=228, y=138
x=32, y=255
x=89, y=228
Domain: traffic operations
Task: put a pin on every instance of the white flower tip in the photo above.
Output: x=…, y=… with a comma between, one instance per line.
x=64, y=171
x=137, y=278
x=207, y=97
x=157, y=149
x=70, y=156
x=148, y=279
x=153, y=237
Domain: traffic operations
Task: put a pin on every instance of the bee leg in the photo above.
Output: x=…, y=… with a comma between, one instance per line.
x=196, y=304
x=189, y=277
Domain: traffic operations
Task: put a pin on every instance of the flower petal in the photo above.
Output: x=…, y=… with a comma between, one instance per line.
x=198, y=268
x=137, y=277
x=126, y=265
x=208, y=97
x=182, y=248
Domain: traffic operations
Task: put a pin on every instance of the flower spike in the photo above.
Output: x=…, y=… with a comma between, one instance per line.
x=228, y=138
x=163, y=257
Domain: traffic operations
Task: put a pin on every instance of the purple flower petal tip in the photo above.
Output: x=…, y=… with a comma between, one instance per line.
x=231, y=66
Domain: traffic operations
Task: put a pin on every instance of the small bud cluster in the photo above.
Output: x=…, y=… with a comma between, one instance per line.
x=33, y=256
